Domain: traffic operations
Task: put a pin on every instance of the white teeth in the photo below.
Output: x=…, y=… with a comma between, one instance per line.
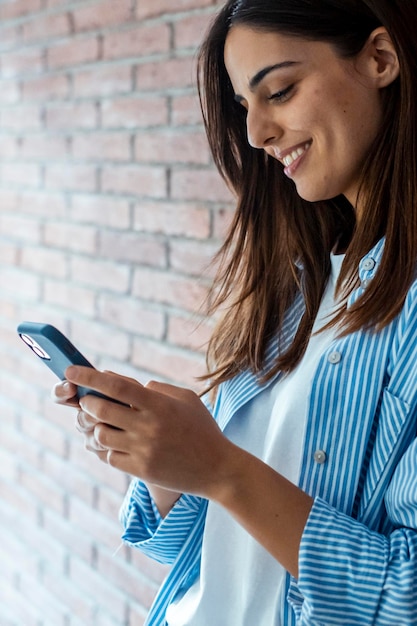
x=290, y=158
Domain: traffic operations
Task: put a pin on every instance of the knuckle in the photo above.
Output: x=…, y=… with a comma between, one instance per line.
x=100, y=435
x=111, y=458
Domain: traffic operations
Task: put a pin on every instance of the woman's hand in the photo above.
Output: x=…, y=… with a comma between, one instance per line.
x=165, y=435
x=65, y=393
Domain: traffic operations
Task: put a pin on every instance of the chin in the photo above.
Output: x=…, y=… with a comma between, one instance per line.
x=315, y=195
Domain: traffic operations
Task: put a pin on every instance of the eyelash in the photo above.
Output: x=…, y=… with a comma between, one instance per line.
x=281, y=96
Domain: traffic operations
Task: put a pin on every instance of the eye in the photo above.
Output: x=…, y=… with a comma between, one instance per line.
x=282, y=95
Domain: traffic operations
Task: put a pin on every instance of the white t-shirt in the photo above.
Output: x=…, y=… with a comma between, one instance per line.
x=240, y=583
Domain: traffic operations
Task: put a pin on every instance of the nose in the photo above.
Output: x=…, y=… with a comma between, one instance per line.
x=262, y=129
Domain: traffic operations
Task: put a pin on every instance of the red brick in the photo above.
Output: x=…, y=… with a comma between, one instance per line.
x=101, y=338
x=9, y=465
x=122, y=577
x=187, y=220
x=26, y=174
x=108, y=503
x=16, y=555
x=71, y=176
x=131, y=315
x=189, y=31
x=107, y=248
x=9, y=36
x=61, y=530
x=104, y=531
x=9, y=253
x=165, y=361
x=95, y=585
x=222, y=221
x=68, y=115
x=138, y=180
x=106, y=13
x=132, y=247
x=73, y=52
x=137, y=615
x=40, y=598
x=9, y=147
x=186, y=110
x=163, y=288
x=134, y=112
x=46, y=27
x=44, y=261
x=41, y=204
x=21, y=611
x=74, y=237
x=45, y=490
x=72, y=480
x=159, y=7
x=192, y=257
x=202, y=185
x=138, y=41
x=42, y=146
x=100, y=274
x=45, y=435
x=101, y=147
x=80, y=605
x=9, y=91
x=21, y=118
x=102, y=81
x=52, y=4
x=105, y=211
x=153, y=569
x=17, y=8
x=46, y=87
x=17, y=499
x=171, y=147
x=104, y=474
x=27, y=61
x=189, y=332
x=167, y=74
x=72, y=298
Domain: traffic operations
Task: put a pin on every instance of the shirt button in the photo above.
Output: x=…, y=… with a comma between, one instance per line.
x=365, y=283
x=369, y=264
x=335, y=358
x=320, y=457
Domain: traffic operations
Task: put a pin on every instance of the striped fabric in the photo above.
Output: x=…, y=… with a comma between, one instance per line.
x=358, y=555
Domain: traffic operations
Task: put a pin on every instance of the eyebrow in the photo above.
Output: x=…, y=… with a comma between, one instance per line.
x=259, y=76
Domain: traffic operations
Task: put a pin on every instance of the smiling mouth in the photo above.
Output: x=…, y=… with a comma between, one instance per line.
x=295, y=154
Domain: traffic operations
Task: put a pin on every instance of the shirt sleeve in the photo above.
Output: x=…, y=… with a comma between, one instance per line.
x=145, y=529
x=349, y=574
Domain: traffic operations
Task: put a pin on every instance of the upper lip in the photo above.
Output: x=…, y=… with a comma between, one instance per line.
x=281, y=154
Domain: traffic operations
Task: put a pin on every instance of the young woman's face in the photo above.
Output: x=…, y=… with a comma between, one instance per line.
x=307, y=107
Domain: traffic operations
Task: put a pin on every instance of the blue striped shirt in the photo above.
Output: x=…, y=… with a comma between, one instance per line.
x=358, y=554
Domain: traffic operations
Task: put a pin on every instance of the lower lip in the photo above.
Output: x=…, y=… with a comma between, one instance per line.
x=290, y=170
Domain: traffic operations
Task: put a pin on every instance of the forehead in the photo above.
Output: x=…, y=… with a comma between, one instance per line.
x=248, y=51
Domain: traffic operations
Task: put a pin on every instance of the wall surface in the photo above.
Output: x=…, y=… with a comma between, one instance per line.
x=109, y=211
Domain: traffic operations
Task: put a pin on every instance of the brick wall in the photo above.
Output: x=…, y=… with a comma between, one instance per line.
x=109, y=211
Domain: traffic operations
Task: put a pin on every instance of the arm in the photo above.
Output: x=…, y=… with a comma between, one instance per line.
x=168, y=438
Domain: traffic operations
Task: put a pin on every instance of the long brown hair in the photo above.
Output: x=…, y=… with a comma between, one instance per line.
x=274, y=231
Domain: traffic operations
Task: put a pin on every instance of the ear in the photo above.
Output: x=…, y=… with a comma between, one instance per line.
x=379, y=59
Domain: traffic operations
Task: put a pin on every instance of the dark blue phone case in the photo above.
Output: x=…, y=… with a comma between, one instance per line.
x=55, y=350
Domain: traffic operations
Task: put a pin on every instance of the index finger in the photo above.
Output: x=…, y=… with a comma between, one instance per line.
x=116, y=387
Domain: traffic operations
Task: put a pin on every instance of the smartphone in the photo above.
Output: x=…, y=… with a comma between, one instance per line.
x=55, y=350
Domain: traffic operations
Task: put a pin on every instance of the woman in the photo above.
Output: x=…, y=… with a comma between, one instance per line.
x=298, y=503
